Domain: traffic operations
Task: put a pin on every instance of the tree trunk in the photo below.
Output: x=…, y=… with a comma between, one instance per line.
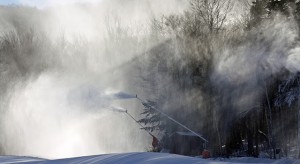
x=250, y=142
x=256, y=154
x=298, y=133
x=270, y=126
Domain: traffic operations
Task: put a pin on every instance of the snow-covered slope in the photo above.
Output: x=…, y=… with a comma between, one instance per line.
x=18, y=159
x=145, y=158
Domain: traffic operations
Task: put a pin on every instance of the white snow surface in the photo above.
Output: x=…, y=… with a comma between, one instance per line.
x=144, y=158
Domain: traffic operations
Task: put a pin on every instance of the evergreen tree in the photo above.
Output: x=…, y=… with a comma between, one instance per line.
x=258, y=12
x=153, y=120
x=289, y=94
x=285, y=7
x=264, y=9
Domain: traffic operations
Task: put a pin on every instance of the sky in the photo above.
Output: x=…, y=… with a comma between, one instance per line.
x=44, y=3
x=6, y=2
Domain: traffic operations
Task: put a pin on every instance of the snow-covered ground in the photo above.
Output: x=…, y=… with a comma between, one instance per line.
x=145, y=158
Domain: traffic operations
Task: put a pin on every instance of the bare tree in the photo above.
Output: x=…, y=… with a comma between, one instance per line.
x=212, y=12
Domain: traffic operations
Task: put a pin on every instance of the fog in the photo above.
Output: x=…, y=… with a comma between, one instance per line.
x=59, y=63
x=70, y=71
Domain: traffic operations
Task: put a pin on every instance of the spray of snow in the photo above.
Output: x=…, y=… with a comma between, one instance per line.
x=59, y=88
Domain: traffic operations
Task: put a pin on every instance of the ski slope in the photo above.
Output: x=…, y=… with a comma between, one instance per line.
x=145, y=158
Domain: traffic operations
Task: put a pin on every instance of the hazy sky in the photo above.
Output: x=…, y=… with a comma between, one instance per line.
x=5, y=2
x=43, y=3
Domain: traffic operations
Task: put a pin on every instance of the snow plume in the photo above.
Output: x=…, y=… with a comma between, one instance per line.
x=244, y=71
x=264, y=52
x=242, y=67
x=58, y=67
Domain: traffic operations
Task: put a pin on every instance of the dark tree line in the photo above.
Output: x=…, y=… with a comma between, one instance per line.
x=269, y=125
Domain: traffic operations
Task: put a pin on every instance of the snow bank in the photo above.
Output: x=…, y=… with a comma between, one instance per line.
x=145, y=158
